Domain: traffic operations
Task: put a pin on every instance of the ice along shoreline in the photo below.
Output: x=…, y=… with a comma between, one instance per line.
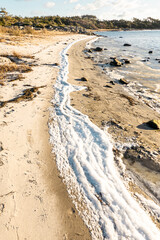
x=85, y=161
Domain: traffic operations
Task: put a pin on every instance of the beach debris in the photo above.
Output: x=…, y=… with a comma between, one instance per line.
x=155, y=124
x=123, y=81
x=115, y=62
x=127, y=45
x=56, y=64
x=131, y=100
x=84, y=79
x=27, y=94
x=150, y=52
x=1, y=146
x=111, y=123
x=142, y=155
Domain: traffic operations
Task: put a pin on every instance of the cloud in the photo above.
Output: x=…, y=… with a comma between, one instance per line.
x=49, y=4
x=97, y=4
x=73, y=1
x=111, y=9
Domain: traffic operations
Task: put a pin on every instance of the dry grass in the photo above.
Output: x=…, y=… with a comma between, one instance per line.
x=3, y=29
x=28, y=30
x=14, y=31
x=17, y=55
x=14, y=68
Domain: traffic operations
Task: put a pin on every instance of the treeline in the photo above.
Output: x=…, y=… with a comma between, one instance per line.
x=85, y=21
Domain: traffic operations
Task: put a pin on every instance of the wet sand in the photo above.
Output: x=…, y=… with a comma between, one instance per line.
x=110, y=106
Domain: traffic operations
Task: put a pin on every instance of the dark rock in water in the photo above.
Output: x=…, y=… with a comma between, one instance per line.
x=127, y=45
x=120, y=37
x=127, y=61
x=150, y=52
x=90, y=50
x=108, y=86
x=144, y=60
x=98, y=49
x=157, y=59
x=115, y=62
x=155, y=124
x=140, y=154
x=105, y=49
x=113, y=83
x=123, y=81
x=84, y=79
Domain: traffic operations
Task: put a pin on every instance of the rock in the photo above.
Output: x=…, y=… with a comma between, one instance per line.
x=127, y=61
x=90, y=50
x=155, y=124
x=111, y=82
x=107, y=86
x=123, y=81
x=115, y=62
x=5, y=60
x=84, y=79
x=127, y=45
x=150, y=52
x=98, y=49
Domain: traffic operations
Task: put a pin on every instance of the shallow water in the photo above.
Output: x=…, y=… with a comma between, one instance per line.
x=143, y=72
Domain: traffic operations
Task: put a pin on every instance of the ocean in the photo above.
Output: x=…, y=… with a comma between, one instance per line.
x=143, y=72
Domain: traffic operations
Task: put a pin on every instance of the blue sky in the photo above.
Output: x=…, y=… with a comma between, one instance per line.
x=103, y=9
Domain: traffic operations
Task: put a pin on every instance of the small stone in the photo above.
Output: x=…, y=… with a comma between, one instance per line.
x=84, y=79
x=150, y=52
x=1, y=147
x=123, y=81
x=127, y=45
x=127, y=61
x=155, y=124
x=116, y=63
x=98, y=49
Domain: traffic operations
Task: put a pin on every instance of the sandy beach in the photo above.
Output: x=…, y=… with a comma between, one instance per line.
x=34, y=203
x=110, y=106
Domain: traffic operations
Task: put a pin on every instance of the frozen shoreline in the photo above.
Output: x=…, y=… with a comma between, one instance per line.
x=85, y=160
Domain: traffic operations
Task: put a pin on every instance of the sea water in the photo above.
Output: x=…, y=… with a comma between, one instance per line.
x=143, y=72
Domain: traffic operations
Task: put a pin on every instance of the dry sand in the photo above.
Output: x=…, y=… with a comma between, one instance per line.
x=110, y=105
x=34, y=203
